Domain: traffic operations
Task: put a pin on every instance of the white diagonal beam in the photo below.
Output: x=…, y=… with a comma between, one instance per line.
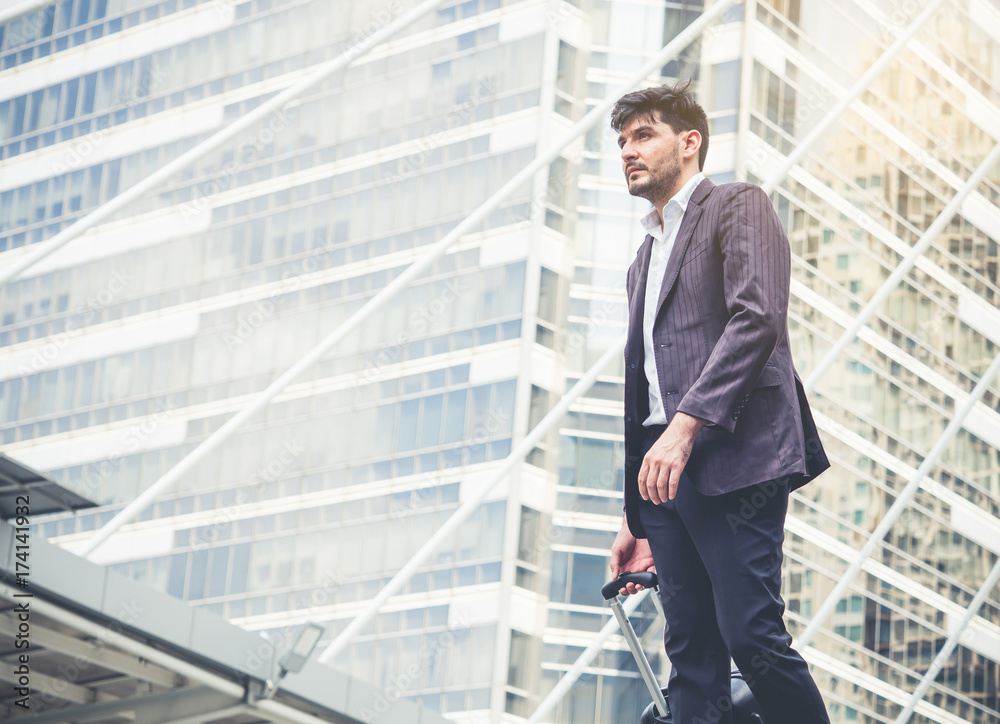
x=471, y=504
x=21, y=9
x=974, y=98
x=907, y=263
x=434, y=252
x=949, y=645
x=982, y=212
x=274, y=105
x=853, y=94
x=897, y=508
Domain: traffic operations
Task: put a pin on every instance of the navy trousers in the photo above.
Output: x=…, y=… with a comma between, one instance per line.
x=718, y=560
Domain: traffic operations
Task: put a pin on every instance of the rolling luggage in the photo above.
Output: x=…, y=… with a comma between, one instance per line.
x=745, y=707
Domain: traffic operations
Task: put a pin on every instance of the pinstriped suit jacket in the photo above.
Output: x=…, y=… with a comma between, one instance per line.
x=721, y=345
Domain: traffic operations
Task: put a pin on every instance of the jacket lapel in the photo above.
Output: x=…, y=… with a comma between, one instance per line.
x=638, y=304
x=691, y=217
x=636, y=391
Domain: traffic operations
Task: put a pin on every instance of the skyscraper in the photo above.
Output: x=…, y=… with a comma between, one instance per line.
x=131, y=345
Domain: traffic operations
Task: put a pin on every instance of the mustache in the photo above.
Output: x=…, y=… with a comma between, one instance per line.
x=635, y=167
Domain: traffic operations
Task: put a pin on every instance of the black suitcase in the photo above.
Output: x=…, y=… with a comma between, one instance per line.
x=746, y=710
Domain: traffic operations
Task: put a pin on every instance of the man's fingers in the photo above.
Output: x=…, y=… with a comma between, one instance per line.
x=675, y=479
x=647, y=486
x=661, y=483
x=629, y=589
x=659, y=479
x=666, y=484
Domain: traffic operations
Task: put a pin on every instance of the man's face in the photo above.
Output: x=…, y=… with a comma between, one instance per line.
x=651, y=158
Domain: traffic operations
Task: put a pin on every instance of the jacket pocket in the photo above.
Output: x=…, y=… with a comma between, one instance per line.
x=688, y=258
x=769, y=377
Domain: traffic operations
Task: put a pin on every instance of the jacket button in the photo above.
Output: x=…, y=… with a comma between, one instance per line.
x=628, y=418
x=632, y=366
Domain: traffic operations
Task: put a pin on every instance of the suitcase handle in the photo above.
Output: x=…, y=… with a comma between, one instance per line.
x=646, y=579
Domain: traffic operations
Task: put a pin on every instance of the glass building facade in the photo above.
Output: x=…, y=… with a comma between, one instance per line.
x=127, y=348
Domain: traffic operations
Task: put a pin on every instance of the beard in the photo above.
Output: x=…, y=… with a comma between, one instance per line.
x=658, y=182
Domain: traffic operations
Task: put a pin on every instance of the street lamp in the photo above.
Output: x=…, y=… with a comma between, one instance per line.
x=295, y=658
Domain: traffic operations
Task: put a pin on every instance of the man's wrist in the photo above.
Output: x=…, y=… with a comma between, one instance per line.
x=688, y=424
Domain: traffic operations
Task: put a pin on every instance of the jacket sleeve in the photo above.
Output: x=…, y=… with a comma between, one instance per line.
x=756, y=266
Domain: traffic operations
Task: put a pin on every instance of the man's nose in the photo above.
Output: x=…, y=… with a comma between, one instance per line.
x=628, y=152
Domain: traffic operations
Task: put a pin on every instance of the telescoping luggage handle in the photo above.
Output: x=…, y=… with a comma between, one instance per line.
x=610, y=590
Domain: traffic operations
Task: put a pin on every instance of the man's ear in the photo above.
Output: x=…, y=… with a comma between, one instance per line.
x=692, y=144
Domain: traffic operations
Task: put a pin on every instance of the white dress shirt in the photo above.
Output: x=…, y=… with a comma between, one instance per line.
x=663, y=243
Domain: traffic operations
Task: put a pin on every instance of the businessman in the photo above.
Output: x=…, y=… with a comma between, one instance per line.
x=717, y=426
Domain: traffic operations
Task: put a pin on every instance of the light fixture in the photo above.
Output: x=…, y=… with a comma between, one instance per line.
x=295, y=658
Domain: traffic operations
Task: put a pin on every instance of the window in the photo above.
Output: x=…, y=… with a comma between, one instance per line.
x=725, y=85
x=517, y=674
x=547, y=295
x=539, y=406
x=430, y=427
x=566, y=73
x=589, y=574
x=528, y=538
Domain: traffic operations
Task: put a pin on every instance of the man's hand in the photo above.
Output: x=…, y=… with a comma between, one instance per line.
x=663, y=464
x=630, y=554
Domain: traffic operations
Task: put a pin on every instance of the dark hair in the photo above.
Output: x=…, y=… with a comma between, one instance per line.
x=674, y=105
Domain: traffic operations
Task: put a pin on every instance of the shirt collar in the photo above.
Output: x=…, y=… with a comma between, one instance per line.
x=651, y=221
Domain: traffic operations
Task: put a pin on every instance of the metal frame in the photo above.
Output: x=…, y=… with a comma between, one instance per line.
x=648, y=675
x=902, y=500
x=856, y=90
x=276, y=709
x=848, y=336
x=949, y=645
x=93, y=653
x=195, y=704
x=589, y=654
x=908, y=492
